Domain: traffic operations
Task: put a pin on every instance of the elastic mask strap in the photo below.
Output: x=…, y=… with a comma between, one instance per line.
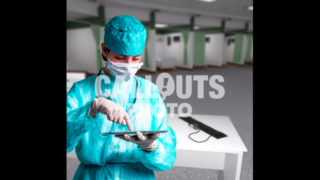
x=107, y=57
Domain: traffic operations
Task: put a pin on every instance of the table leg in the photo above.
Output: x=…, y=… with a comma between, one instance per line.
x=232, y=167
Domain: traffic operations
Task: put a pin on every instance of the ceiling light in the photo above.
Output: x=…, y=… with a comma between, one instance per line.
x=196, y=27
x=250, y=8
x=161, y=25
x=207, y=0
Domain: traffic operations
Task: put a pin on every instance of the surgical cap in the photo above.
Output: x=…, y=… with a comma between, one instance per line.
x=125, y=35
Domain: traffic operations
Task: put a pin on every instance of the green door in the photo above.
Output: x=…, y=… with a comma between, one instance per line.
x=238, y=48
x=248, y=59
x=199, y=48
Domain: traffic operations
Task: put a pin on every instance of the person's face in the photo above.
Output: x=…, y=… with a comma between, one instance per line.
x=117, y=58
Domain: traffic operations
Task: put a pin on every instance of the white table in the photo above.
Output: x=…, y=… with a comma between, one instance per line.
x=223, y=154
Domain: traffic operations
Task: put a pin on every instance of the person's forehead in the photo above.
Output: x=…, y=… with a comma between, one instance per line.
x=126, y=55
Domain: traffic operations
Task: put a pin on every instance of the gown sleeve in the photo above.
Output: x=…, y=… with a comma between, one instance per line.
x=78, y=119
x=163, y=157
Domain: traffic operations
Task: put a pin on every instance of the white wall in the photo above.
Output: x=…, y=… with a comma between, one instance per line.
x=81, y=47
x=176, y=49
x=160, y=45
x=229, y=50
x=214, y=49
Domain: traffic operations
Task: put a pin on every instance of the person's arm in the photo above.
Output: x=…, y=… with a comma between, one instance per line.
x=163, y=157
x=79, y=120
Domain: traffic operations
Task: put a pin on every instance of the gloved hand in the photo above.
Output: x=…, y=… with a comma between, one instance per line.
x=146, y=142
x=114, y=112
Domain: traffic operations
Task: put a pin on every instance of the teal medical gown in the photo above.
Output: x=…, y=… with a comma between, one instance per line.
x=107, y=157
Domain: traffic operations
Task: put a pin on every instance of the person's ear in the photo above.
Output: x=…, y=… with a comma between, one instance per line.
x=104, y=49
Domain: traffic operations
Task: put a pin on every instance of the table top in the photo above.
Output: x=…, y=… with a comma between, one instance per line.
x=232, y=143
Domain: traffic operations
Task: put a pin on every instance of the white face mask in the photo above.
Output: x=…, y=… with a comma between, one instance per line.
x=123, y=69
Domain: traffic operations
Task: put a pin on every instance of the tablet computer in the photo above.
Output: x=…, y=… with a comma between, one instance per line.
x=135, y=132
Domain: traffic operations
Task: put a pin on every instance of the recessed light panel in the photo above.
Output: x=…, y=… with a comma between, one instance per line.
x=161, y=25
x=207, y=0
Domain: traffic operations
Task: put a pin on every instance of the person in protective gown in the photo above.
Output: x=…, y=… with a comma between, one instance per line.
x=122, y=102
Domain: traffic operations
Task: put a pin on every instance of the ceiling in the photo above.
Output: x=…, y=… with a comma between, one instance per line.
x=234, y=9
x=76, y=15
x=177, y=11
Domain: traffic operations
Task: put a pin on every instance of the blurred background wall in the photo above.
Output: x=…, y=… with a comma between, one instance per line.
x=164, y=20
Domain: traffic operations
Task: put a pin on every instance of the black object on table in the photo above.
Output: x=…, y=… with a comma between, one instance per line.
x=209, y=130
